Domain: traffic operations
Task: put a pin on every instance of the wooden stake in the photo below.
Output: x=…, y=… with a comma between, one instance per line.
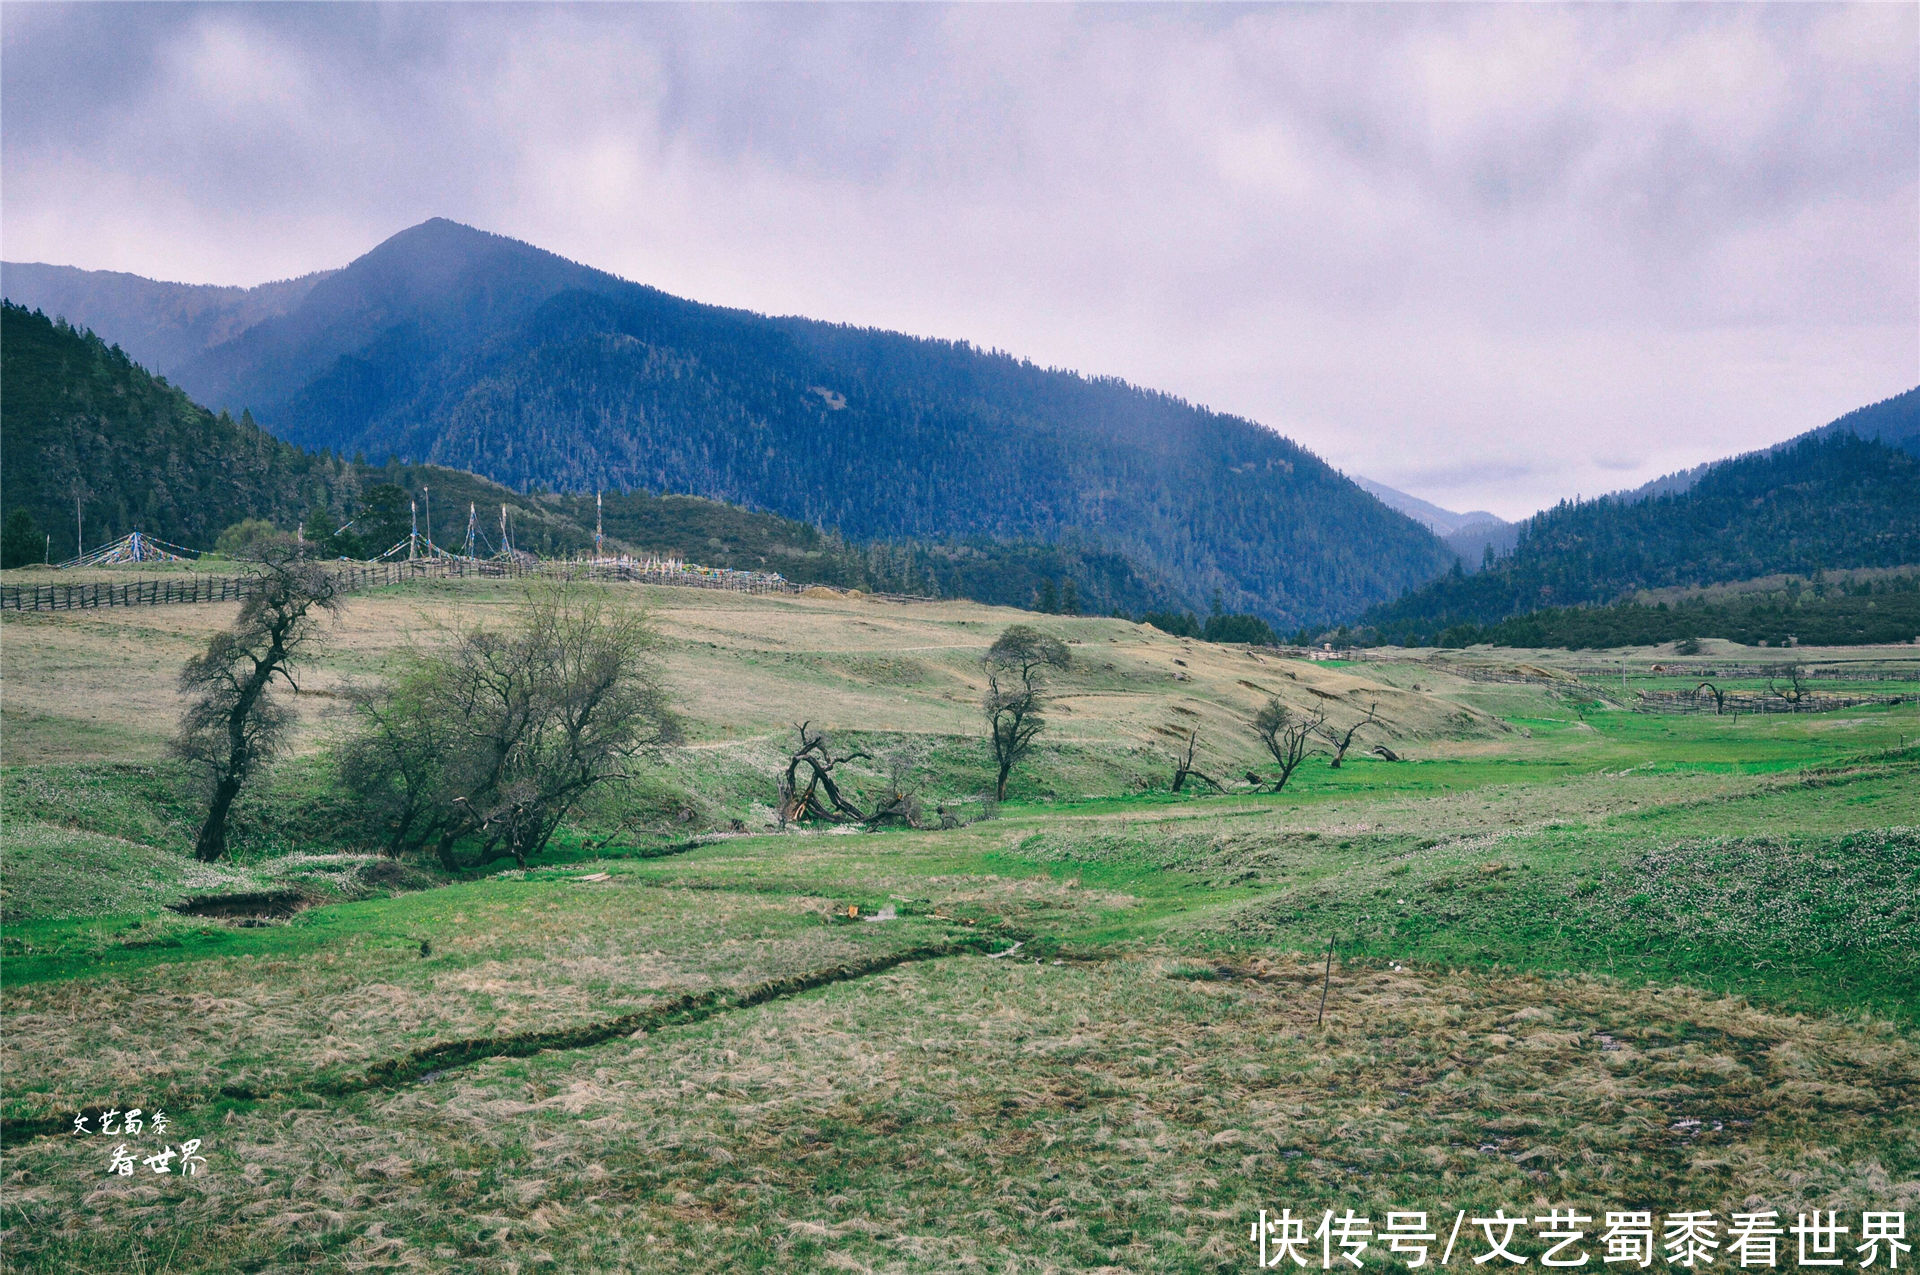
x=1328, y=982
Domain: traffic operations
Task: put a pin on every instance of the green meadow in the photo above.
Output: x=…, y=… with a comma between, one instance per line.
x=1563, y=953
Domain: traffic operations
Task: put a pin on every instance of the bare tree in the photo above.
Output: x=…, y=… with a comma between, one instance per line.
x=809, y=775
x=1017, y=664
x=899, y=800
x=1286, y=736
x=1795, y=691
x=1183, y=766
x=1719, y=696
x=233, y=724
x=1343, y=739
x=496, y=738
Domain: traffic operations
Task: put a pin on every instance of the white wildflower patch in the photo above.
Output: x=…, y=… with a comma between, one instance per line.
x=1853, y=892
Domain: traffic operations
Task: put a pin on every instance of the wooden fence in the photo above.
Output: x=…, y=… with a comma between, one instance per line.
x=137, y=593
x=210, y=588
x=1862, y=671
x=1738, y=702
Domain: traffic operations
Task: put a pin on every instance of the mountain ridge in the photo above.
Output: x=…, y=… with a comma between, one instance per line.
x=450, y=345
x=1441, y=522
x=160, y=324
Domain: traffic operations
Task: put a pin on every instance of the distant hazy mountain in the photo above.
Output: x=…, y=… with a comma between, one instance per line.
x=1441, y=522
x=1468, y=535
x=1826, y=501
x=466, y=349
x=1471, y=543
x=160, y=325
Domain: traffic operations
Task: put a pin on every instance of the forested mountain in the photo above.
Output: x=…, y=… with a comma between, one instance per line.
x=94, y=443
x=1825, y=502
x=90, y=438
x=1894, y=421
x=448, y=345
x=89, y=431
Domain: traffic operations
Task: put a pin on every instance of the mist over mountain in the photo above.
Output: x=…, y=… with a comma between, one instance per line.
x=448, y=345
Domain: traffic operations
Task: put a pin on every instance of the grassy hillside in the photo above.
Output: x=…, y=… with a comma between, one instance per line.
x=1577, y=953
x=451, y=346
x=1824, y=503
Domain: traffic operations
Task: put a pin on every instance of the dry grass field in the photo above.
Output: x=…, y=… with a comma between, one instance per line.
x=1570, y=955
x=99, y=684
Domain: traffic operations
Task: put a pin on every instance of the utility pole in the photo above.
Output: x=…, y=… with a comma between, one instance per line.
x=79, y=528
x=597, y=553
x=428, y=493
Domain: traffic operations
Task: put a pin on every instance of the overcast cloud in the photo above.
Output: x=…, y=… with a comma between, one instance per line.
x=1492, y=255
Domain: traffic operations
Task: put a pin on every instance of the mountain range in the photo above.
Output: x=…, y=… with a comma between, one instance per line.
x=871, y=458
x=449, y=345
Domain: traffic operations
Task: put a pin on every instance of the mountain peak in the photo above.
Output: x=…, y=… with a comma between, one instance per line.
x=445, y=232
x=440, y=255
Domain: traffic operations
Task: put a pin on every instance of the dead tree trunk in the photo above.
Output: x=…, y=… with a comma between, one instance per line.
x=1343, y=739
x=809, y=775
x=1795, y=692
x=1183, y=766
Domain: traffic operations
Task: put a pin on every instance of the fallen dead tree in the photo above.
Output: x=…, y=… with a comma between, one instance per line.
x=808, y=778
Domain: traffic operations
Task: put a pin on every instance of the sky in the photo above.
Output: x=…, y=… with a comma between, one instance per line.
x=1491, y=255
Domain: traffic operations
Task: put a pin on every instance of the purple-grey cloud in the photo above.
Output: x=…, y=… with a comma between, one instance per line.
x=1492, y=254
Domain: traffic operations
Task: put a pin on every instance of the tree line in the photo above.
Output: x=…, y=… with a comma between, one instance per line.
x=1869, y=613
